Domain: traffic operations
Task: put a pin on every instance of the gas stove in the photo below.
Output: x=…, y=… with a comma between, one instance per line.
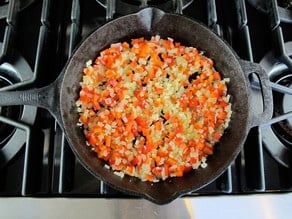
x=38, y=37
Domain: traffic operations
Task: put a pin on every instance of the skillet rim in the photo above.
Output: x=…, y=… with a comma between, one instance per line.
x=81, y=158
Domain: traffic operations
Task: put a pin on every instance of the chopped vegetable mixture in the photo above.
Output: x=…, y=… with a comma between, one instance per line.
x=154, y=108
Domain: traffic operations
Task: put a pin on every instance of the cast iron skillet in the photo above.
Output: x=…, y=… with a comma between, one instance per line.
x=59, y=98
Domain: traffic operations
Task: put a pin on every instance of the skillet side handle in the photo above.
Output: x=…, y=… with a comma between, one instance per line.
x=262, y=83
x=45, y=97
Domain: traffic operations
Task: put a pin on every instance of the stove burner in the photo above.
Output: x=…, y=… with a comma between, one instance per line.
x=284, y=8
x=12, y=138
x=4, y=5
x=283, y=105
x=124, y=7
x=277, y=138
x=12, y=112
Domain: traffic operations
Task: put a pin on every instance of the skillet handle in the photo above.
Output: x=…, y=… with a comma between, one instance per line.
x=45, y=97
x=259, y=81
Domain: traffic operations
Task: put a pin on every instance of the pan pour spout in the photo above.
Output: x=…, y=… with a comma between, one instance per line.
x=148, y=17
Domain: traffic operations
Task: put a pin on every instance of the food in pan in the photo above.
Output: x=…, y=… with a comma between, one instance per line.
x=153, y=108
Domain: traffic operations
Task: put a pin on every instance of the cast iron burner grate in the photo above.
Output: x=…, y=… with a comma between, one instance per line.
x=46, y=165
x=284, y=7
x=4, y=6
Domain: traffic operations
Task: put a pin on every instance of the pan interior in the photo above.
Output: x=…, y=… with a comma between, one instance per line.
x=146, y=23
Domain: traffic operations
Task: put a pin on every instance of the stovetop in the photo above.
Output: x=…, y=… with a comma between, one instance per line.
x=38, y=38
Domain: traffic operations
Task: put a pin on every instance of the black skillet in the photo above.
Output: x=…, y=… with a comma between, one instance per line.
x=59, y=98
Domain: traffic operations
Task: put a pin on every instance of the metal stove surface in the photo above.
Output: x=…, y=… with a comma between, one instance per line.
x=46, y=32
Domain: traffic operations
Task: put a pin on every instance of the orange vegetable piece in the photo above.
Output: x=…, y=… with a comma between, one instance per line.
x=152, y=105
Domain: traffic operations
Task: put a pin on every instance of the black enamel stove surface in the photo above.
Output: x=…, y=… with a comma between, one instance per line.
x=37, y=38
